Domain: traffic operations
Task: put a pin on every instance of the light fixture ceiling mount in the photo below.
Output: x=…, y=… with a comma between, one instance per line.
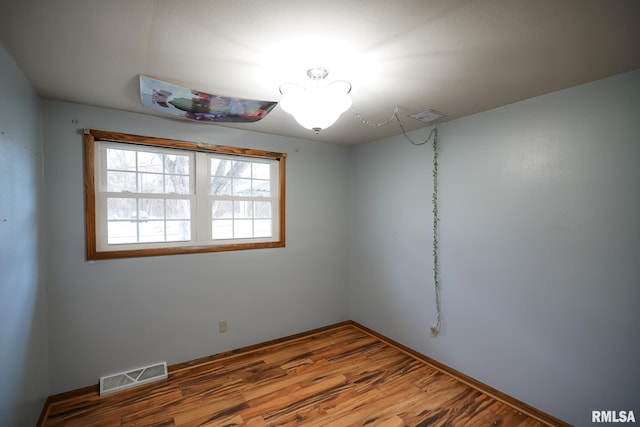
x=317, y=73
x=318, y=106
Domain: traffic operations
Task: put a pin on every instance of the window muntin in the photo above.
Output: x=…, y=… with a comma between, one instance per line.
x=151, y=196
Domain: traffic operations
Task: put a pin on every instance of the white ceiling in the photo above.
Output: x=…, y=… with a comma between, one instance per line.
x=458, y=57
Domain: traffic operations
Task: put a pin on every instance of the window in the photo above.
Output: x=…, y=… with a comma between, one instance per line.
x=149, y=196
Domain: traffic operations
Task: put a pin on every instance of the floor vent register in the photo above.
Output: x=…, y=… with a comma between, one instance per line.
x=132, y=378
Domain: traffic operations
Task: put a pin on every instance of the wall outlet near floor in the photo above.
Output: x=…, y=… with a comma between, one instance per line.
x=433, y=331
x=222, y=326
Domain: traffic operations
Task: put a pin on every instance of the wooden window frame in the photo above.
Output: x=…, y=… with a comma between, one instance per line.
x=92, y=251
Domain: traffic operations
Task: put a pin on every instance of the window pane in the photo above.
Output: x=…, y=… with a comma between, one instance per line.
x=120, y=232
x=151, y=209
x=149, y=161
x=151, y=231
x=220, y=186
x=178, y=231
x=151, y=183
x=262, y=209
x=121, y=181
x=240, y=169
x=222, y=229
x=120, y=208
x=178, y=209
x=176, y=164
x=261, y=171
x=220, y=167
x=242, y=228
x=262, y=228
x=178, y=184
x=243, y=209
x=261, y=188
x=241, y=187
x=124, y=160
x=222, y=209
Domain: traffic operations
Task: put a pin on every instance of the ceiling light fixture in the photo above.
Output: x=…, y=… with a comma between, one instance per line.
x=318, y=106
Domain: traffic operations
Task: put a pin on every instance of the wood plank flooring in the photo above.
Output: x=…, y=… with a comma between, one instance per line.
x=342, y=376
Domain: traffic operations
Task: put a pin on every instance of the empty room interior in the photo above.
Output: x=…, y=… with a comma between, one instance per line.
x=472, y=205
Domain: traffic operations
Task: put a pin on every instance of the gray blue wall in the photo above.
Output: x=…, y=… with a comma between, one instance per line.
x=111, y=315
x=540, y=247
x=24, y=382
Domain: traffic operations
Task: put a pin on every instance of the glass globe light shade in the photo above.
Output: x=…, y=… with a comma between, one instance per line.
x=316, y=107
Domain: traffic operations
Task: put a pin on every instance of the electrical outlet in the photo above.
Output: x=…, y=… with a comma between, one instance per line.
x=433, y=331
x=222, y=326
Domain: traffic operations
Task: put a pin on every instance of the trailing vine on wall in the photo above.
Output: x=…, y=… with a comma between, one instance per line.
x=433, y=136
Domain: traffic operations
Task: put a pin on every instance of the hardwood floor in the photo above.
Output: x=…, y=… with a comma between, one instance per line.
x=342, y=376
